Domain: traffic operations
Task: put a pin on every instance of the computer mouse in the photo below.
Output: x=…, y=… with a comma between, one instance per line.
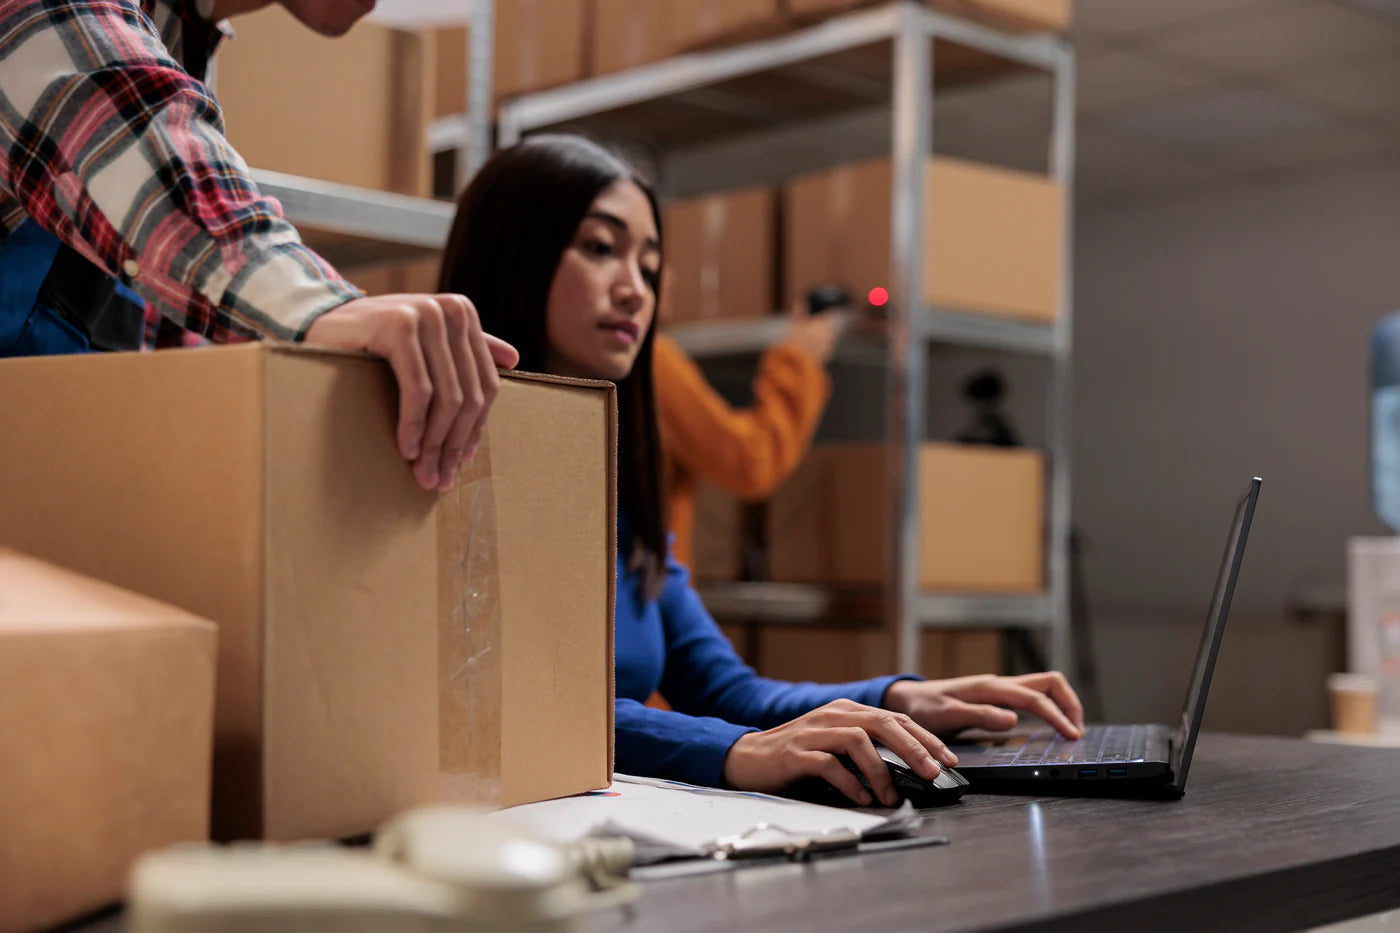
x=947, y=788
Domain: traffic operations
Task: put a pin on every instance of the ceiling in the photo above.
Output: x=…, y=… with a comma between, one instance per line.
x=1175, y=94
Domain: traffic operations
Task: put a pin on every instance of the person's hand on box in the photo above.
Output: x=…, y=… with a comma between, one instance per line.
x=808, y=745
x=445, y=366
x=987, y=701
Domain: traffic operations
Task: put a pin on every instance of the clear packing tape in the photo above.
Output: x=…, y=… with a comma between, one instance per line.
x=440, y=868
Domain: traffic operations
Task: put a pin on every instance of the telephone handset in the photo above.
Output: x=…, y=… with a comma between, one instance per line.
x=432, y=869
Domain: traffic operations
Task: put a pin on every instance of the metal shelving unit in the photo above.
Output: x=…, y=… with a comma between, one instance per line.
x=890, y=55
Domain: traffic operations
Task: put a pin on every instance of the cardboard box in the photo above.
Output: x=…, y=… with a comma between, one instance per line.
x=839, y=655
x=981, y=519
x=721, y=255
x=106, y=729
x=539, y=44
x=450, y=71
x=718, y=537
x=991, y=235
x=1009, y=14
x=417, y=276
x=359, y=108
x=629, y=33
x=381, y=647
x=714, y=22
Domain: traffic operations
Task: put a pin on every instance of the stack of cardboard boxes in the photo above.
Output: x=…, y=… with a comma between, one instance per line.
x=379, y=647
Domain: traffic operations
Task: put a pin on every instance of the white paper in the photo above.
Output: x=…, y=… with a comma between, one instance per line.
x=682, y=815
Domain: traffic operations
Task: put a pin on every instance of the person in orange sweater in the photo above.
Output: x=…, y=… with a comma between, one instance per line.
x=746, y=452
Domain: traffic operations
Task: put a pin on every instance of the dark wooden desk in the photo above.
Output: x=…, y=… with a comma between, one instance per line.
x=1273, y=834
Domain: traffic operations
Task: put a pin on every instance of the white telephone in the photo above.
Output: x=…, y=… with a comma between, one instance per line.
x=442, y=868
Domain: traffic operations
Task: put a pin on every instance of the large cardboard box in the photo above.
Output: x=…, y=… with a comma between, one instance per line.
x=721, y=250
x=353, y=109
x=838, y=655
x=991, y=235
x=981, y=518
x=106, y=728
x=1011, y=14
x=380, y=647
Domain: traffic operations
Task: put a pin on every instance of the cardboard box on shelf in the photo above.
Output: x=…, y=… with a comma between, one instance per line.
x=628, y=33
x=1052, y=15
x=827, y=654
x=106, y=731
x=991, y=235
x=981, y=519
x=721, y=250
x=718, y=538
x=539, y=44
x=699, y=25
x=450, y=71
x=381, y=647
x=417, y=276
x=361, y=108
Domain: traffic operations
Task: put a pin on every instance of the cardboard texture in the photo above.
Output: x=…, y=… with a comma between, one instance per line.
x=539, y=44
x=381, y=647
x=1052, y=15
x=713, y=22
x=360, y=112
x=991, y=235
x=722, y=249
x=106, y=727
x=981, y=518
x=839, y=655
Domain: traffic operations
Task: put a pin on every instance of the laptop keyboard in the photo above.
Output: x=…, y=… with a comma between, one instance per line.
x=1100, y=743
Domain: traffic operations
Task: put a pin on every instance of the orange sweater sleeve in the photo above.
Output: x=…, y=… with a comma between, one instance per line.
x=747, y=452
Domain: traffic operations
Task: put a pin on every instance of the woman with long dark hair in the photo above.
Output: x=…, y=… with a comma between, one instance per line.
x=559, y=244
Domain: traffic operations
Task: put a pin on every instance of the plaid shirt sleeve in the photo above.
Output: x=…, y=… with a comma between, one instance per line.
x=106, y=142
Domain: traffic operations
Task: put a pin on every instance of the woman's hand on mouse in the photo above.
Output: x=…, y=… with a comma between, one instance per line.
x=988, y=701
x=808, y=745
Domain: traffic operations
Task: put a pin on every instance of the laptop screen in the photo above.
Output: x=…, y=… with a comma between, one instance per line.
x=1195, y=705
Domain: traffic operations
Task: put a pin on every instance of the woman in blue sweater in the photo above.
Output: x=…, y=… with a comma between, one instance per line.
x=558, y=243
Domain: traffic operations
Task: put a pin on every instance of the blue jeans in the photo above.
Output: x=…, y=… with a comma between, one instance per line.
x=29, y=324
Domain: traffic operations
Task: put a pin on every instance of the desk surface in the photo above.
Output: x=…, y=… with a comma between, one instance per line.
x=1273, y=834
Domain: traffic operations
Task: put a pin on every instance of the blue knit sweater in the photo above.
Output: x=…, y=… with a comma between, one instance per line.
x=673, y=645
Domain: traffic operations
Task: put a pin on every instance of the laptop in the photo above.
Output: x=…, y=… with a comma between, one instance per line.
x=1148, y=760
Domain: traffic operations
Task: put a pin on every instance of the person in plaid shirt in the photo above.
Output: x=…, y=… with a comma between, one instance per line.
x=125, y=213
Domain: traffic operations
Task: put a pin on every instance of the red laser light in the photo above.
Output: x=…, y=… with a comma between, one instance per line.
x=878, y=297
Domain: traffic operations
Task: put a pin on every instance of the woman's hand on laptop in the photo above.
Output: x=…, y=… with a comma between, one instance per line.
x=988, y=701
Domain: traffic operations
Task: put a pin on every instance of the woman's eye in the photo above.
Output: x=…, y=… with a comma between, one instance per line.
x=597, y=248
x=652, y=277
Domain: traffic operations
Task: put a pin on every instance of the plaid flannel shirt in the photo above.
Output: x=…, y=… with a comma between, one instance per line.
x=110, y=144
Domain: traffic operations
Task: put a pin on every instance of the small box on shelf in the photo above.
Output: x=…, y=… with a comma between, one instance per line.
x=1027, y=15
x=721, y=250
x=981, y=519
x=991, y=235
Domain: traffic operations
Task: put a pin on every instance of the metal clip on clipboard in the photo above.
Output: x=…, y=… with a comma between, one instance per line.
x=795, y=846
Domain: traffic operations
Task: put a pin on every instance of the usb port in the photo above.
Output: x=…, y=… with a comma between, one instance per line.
x=1117, y=772
x=1088, y=772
